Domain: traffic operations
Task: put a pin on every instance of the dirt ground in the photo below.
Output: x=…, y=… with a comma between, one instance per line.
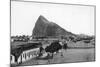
x=69, y=56
x=77, y=52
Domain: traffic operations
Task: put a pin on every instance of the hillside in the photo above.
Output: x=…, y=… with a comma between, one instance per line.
x=45, y=28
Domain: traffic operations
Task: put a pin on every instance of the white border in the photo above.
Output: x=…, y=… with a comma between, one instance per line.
x=5, y=25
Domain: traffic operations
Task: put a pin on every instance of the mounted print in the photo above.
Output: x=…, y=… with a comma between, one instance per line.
x=51, y=33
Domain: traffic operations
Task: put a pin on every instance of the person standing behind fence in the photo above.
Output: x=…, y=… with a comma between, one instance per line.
x=41, y=49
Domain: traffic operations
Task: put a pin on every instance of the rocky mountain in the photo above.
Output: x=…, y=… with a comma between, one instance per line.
x=45, y=28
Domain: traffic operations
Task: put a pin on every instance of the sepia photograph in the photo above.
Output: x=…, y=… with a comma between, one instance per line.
x=43, y=33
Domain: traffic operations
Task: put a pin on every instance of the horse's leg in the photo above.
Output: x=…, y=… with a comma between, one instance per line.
x=61, y=52
x=49, y=58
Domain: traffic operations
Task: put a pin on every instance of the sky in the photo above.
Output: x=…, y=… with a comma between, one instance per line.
x=74, y=18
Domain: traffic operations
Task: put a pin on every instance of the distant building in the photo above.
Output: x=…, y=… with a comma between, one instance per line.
x=20, y=38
